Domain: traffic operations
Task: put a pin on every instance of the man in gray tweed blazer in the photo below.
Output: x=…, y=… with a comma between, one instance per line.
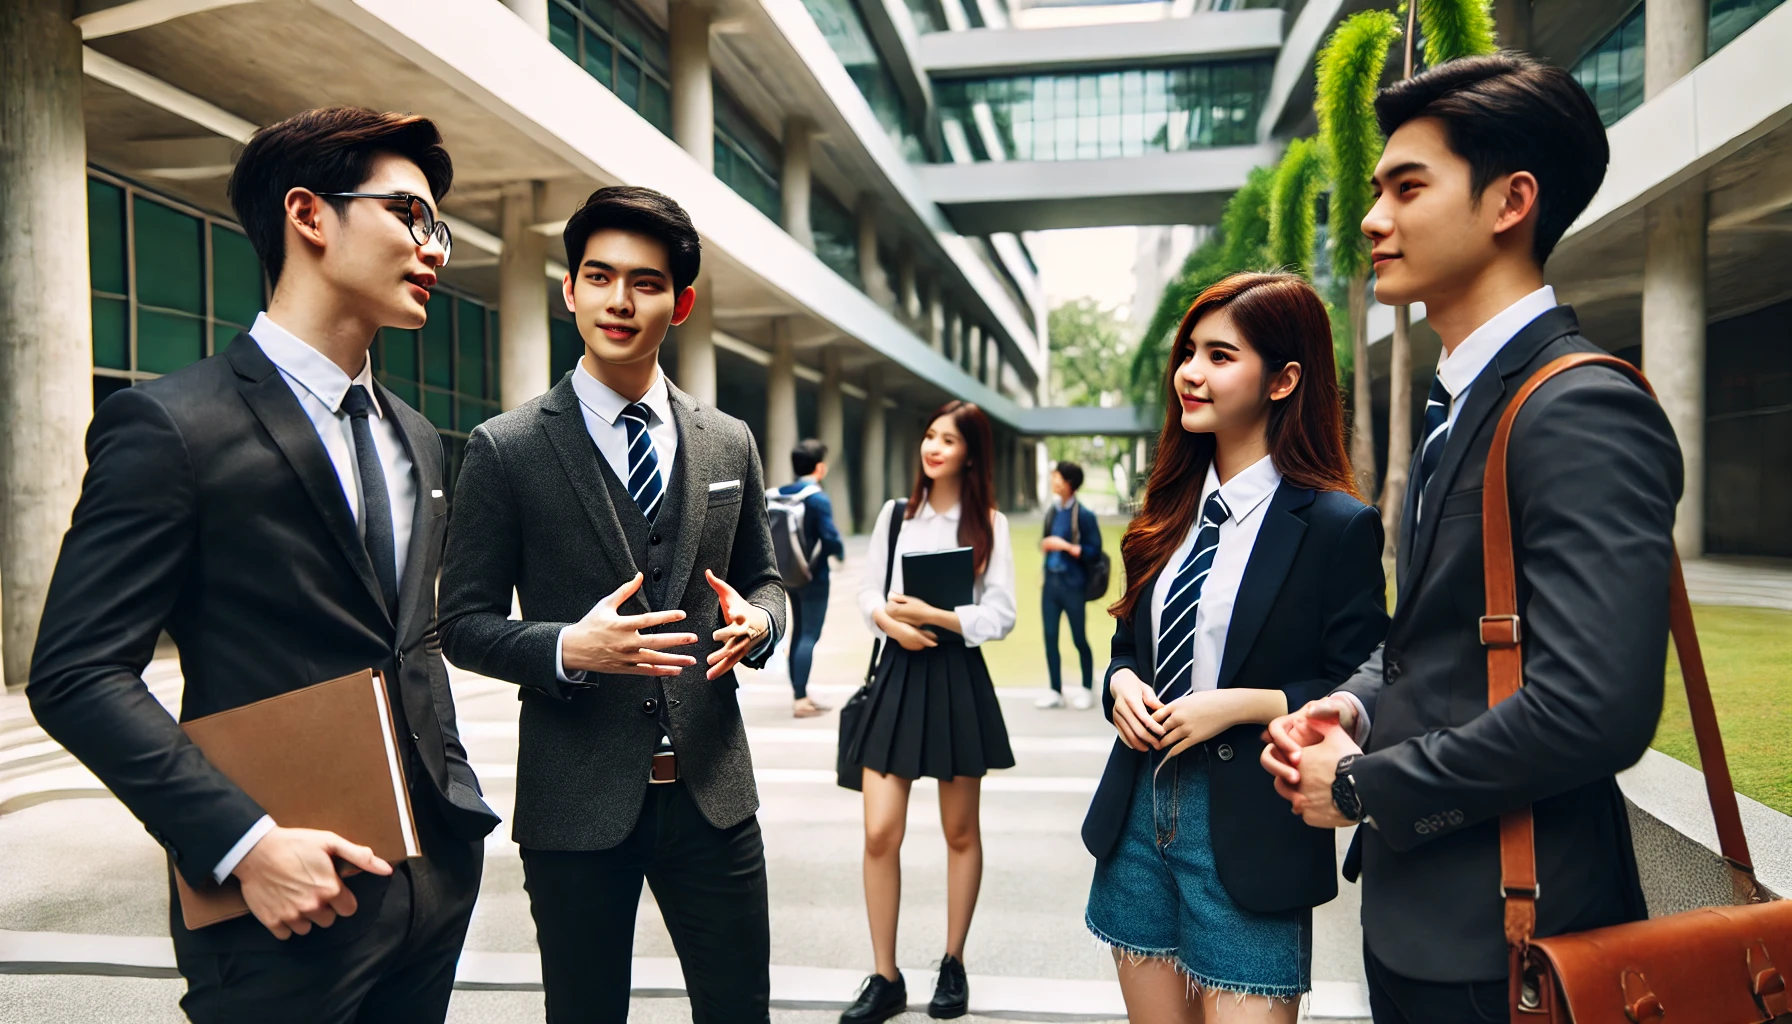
x=617, y=505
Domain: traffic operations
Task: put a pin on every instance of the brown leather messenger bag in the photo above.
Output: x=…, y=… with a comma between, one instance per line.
x=1716, y=965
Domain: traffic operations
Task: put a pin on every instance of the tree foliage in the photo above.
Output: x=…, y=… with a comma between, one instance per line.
x=1293, y=206
x=1349, y=73
x=1089, y=352
x=1455, y=28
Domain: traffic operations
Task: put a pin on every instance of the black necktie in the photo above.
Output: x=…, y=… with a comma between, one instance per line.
x=376, y=507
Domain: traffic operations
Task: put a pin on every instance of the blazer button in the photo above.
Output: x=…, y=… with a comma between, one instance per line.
x=656, y=574
x=649, y=706
x=1225, y=751
x=671, y=702
x=653, y=539
x=416, y=738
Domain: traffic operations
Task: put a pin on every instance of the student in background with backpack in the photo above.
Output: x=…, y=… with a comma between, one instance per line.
x=1072, y=546
x=821, y=539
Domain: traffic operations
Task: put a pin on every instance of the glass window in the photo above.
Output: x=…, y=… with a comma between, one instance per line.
x=1730, y=18
x=1106, y=114
x=843, y=25
x=747, y=159
x=565, y=347
x=438, y=341
x=110, y=272
x=622, y=52
x=1612, y=71
x=836, y=234
x=236, y=280
x=170, y=261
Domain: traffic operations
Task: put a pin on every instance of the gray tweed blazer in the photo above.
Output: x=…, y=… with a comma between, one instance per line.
x=537, y=509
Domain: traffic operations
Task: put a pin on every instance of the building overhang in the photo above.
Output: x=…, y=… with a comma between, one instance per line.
x=1189, y=187
x=1210, y=35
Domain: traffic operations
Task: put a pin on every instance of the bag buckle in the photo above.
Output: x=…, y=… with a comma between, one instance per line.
x=1500, y=631
x=1641, y=1004
x=1519, y=891
x=1766, y=982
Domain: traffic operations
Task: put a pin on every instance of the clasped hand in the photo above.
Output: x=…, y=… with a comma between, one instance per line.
x=1145, y=722
x=911, y=621
x=1302, y=753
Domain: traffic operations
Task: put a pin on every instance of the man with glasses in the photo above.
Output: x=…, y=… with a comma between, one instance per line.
x=281, y=515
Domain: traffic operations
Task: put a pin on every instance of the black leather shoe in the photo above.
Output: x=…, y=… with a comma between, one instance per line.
x=952, y=993
x=878, y=1001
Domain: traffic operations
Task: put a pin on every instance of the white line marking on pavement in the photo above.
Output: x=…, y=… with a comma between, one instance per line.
x=992, y=783
x=62, y=953
x=827, y=737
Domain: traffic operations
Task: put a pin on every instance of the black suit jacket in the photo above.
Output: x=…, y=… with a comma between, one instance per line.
x=1594, y=475
x=537, y=509
x=211, y=509
x=1312, y=604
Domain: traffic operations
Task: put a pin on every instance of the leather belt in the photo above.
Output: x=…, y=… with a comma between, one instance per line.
x=665, y=768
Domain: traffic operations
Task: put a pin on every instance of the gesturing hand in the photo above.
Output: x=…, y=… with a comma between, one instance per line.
x=744, y=624
x=606, y=640
x=290, y=881
x=1288, y=734
x=1134, y=706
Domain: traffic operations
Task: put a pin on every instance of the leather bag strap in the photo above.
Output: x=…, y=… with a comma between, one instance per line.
x=1502, y=635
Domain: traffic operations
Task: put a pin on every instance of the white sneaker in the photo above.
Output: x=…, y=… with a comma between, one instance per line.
x=1082, y=700
x=1050, y=700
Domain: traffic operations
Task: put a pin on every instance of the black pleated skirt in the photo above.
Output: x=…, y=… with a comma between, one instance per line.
x=933, y=713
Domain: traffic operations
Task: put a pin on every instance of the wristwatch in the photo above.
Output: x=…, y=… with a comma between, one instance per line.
x=1344, y=794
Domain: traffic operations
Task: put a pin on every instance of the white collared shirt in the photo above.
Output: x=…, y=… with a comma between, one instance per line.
x=989, y=616
x=1247, y=495
x=603, y=407
x=1458, y=369
x=320, y=386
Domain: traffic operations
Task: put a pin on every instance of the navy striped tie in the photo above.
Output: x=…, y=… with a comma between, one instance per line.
x=1176, y=632
x=644, y=484
x=1437, y=435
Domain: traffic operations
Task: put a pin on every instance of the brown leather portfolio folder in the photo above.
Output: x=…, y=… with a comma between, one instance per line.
x=325, y=757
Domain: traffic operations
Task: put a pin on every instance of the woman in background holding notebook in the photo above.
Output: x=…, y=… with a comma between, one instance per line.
x=1253, y=585
x=932, y=709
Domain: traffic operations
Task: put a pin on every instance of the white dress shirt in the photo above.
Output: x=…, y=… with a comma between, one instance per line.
x=1457, y=369
x=320, y=386
x=602, y=408
x=1247, y=495
x=989, y=616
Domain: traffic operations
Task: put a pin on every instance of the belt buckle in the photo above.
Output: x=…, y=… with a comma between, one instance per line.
x=668, y=759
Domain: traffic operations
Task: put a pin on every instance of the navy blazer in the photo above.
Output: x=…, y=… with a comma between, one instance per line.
x=1311, y=606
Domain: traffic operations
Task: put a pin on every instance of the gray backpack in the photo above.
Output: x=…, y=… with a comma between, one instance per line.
x=787, y=512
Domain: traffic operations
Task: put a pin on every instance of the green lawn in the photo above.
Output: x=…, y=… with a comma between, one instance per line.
x=1748, y=657
x=1019, y=660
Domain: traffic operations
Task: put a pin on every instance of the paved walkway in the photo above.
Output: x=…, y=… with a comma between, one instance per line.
x=1752, y=582
x=83, y=913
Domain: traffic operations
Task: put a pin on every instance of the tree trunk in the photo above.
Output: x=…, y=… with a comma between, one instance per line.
x=1393, y=488
x=1362, y=421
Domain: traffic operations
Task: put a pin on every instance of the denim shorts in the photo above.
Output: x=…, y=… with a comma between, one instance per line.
x=1158, y=894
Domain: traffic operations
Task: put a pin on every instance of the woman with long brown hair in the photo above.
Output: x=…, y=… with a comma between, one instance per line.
x=1253, y=584
x=931, y=709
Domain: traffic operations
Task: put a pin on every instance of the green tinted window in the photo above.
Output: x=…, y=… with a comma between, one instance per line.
x=565, y=348
x=105, y=237
x=438, y=342
x=170, y=258
x=168, y=341
x=236, y=278
x=111, y=333
x=470, y=326
x=398, y=353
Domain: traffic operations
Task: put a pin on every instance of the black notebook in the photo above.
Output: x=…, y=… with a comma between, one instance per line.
x=941, y=578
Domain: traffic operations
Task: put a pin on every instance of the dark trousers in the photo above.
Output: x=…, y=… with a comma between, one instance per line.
x=1065, y=595
x=710, y=886
x=391, y=962
x=808, y=609
x=1397, y=999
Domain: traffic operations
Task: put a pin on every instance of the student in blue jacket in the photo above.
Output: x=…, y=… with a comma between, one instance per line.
x=1072, y=543
x=809, y=605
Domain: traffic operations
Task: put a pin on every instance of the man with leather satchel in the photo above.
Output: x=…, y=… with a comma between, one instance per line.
x=1488, y=161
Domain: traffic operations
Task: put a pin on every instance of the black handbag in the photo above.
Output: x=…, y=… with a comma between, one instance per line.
x=848, y=771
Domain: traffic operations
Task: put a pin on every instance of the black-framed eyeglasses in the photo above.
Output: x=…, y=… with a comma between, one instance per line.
x=418, y=217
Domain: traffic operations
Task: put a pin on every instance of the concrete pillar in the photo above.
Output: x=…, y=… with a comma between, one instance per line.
x=908, y=296
x=830, y=425
x=780, y=405
x=871, y=269
x=799, y=141
x=905, y=449
x=949, y=342
x=46, y=358
x=694, y=129
x=1674, y=339
x=522, y=300
x=1674, y=245
x=973, y=337
x=874, y=473
x=936, y=318
x=533, y=12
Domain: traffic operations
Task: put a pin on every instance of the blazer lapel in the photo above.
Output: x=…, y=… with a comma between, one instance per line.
x=1144, y=633
x=271, y=399
x=694, y=441
x=418, y=435
x=1486, y=394
x=1278, y=540
x=564, y=423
